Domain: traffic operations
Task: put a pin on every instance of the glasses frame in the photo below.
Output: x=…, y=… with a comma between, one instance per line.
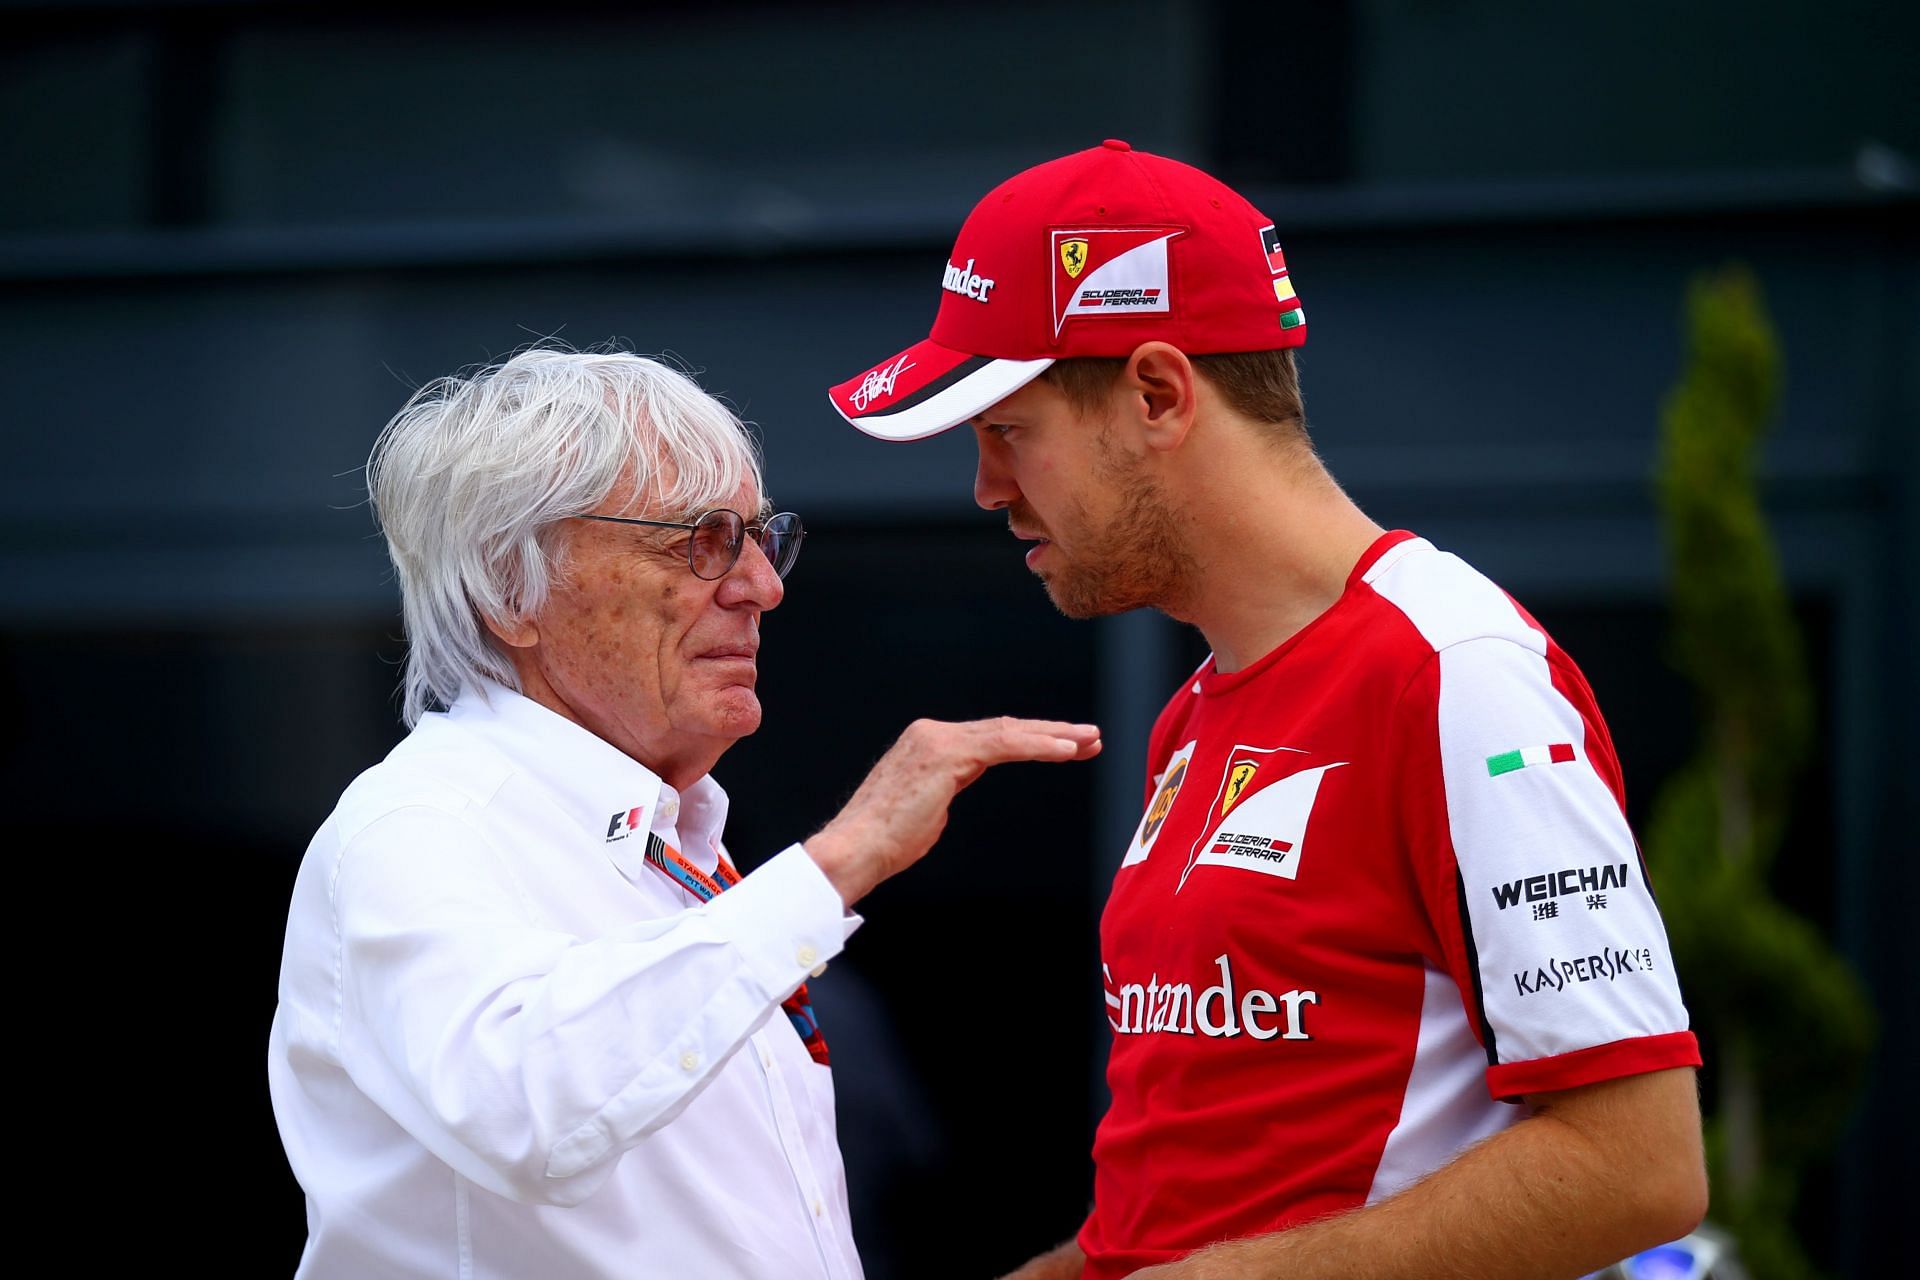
x=757, y=530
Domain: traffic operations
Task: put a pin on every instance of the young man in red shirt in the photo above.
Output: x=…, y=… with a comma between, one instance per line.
x=1389, y=991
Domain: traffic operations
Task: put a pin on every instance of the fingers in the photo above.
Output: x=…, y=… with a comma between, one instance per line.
x=1081, y=740
x=900, y=809
x=1009, y=738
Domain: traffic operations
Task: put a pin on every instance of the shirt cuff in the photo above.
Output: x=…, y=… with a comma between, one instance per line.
x=1509, y=1081
x=787, y=919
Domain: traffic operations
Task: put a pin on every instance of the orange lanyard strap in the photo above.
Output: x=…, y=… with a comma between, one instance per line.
x=672, y=864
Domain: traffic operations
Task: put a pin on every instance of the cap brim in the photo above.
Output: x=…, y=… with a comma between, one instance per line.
x=928, y=388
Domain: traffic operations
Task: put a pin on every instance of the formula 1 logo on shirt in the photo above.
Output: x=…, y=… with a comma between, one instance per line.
x=622, y=825
x=1263, y=829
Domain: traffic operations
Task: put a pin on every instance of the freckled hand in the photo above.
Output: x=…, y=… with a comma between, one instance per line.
x=901, y=808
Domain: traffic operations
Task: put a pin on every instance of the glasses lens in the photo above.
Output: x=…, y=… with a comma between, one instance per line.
x=780, y=540
x=717, y=536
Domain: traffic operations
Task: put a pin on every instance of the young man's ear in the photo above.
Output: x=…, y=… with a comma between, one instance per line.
x=1159, y=381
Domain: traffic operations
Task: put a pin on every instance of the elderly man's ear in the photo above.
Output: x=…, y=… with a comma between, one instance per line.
x=516, y=633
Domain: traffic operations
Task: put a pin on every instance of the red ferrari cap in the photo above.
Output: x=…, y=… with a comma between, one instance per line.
x=1088, y=255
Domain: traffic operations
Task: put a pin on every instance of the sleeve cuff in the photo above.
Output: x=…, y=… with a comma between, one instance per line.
x=788, y=920
x=1510, y=1080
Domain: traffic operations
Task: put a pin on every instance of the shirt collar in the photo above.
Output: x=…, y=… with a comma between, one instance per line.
x=613, y=798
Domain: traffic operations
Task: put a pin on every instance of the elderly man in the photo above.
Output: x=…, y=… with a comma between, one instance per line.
x=532, y=1021
x=1383, y=886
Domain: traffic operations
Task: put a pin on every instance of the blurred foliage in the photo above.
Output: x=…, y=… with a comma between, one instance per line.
x=1789, y=1023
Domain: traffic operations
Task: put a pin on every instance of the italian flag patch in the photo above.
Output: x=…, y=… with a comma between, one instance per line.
x=1508, y=761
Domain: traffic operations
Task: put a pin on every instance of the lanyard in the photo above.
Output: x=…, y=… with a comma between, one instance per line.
x=672, y=864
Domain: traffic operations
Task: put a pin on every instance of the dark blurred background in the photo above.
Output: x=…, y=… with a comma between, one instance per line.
x=234, y=235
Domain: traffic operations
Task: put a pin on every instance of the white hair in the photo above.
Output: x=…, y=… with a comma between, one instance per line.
x=473, y=480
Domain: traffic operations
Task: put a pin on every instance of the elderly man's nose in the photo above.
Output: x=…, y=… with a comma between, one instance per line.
x=752, y=579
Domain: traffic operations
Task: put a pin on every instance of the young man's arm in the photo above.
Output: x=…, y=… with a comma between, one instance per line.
x=1595, y=1174
x=1063, y=1263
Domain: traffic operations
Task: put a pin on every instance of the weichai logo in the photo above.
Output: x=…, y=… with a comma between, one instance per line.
x=622, y=825
x=1217, y=1011
x=1560, y=884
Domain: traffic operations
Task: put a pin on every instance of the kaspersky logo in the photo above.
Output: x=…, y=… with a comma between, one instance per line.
x=1218, y=1011
x=622, y=825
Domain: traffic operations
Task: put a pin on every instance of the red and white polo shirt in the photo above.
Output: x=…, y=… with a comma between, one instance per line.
x=1383, y=885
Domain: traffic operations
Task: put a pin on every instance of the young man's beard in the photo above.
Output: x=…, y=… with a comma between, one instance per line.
x=1137, y=561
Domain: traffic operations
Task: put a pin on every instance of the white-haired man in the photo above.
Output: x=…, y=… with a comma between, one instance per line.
x=1383, y=885
x=531, y=1018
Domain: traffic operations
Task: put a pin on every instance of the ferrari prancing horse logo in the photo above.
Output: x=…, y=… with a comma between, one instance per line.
x=1237, y=779
x=1073, y=256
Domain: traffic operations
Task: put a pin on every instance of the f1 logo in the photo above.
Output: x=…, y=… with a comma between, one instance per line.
x=622, y=825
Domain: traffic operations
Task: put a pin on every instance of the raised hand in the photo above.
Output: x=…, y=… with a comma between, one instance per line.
x=901, y=807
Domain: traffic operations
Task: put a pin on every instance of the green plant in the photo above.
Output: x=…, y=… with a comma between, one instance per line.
x=1789, y=1022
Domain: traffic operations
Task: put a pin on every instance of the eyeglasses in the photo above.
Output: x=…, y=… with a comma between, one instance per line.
x=719, y=535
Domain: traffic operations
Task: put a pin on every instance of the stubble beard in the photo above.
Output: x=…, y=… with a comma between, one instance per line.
x=1138, y=561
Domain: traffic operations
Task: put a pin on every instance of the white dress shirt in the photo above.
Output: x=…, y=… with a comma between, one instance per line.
x=507, y=1046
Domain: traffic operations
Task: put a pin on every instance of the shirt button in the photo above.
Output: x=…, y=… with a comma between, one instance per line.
x=689, y=1061
x=819, y=1209
x=807, y=955
x=766, y=1059
x=817, y=970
